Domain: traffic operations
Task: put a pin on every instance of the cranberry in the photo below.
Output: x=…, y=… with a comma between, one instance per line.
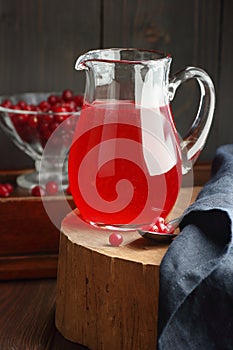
x=4, y=191
x=14, y=118
x=51, y=188
x=34, y=107
x=68, y=190
x=160, y=223
x=154, y=228
x=160, y=226
x=59, y=99
x=60, y=117
x=55, y=110
x=22, y=118
x=115, y=239
x=43, y=126
x=59, y=109
x=52, y=99
x=53, y=126
x=70, y=106
x=27, y=108
x=55, y=107
x=67, y=95
x=22, y=104
x=6, y=103
x=47, y=118
x=78, y=99
x=44, y=106
x=33, y=121
x=38, y=191
x=46, y=134
x=9, y=187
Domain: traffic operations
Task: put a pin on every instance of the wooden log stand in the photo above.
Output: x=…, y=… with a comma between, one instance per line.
x=107, y=297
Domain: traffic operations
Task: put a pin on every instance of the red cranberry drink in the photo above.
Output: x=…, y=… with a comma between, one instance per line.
x=121, y=172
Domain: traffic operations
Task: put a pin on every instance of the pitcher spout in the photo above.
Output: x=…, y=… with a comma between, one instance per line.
x=80, y=63
x=96, y=55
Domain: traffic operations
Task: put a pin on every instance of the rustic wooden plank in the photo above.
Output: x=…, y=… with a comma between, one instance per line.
x=40, y=41
x=207, y=46
x=28, y=266
x=155, y=24
x=202, y=173
x=27, y=317
x=226, y=73
x=26, y=227
x=29, y=240
x=60, y=343
x=189, y=30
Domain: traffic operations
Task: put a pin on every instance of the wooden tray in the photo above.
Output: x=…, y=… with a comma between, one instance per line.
x=28, y=239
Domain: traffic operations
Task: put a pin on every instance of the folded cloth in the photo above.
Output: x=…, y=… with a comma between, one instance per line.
x=196, y=274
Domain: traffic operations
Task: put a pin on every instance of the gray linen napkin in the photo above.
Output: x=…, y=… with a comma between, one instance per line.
x=196, y=274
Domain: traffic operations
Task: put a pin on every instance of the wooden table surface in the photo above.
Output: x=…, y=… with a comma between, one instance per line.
x=27, y=317
x=27, y=309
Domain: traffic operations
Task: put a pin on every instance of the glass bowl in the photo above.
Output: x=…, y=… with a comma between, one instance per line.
x=31, y=119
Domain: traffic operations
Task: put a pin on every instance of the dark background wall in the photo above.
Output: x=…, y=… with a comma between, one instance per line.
x=41, y=39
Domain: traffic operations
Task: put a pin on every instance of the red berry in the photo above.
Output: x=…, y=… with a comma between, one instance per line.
x=154, y=228
x=27, y=108
x=78, y=99
x=70, y=106
x=115, y=239
x=67, y=95
x=33, y=121
x=55, y=110
x=68, y=190
x=9, y=187
x=51, y=188
x=46, y=134
x=38, y=191
x=169, y=228
x=53, y=126
x=160, y=220
x=52, y=99
x=7, y=103
x=44, y=106
x=4, y=191
x=60, y=118
x=59, y=109
x=160, y=226
x=47, y=118
x=34, y=107
x=22, y=104
x=22, y=118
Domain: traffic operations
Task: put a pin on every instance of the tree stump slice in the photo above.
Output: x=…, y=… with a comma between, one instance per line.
x=107, y=297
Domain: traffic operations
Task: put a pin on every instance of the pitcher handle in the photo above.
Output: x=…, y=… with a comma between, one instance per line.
x=194, y=141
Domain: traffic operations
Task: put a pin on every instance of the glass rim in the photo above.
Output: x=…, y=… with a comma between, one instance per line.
x=29, y=94
x=155, y=57
x=23, y=111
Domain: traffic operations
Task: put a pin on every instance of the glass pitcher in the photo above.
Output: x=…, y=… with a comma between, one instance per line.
x=127, y=159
